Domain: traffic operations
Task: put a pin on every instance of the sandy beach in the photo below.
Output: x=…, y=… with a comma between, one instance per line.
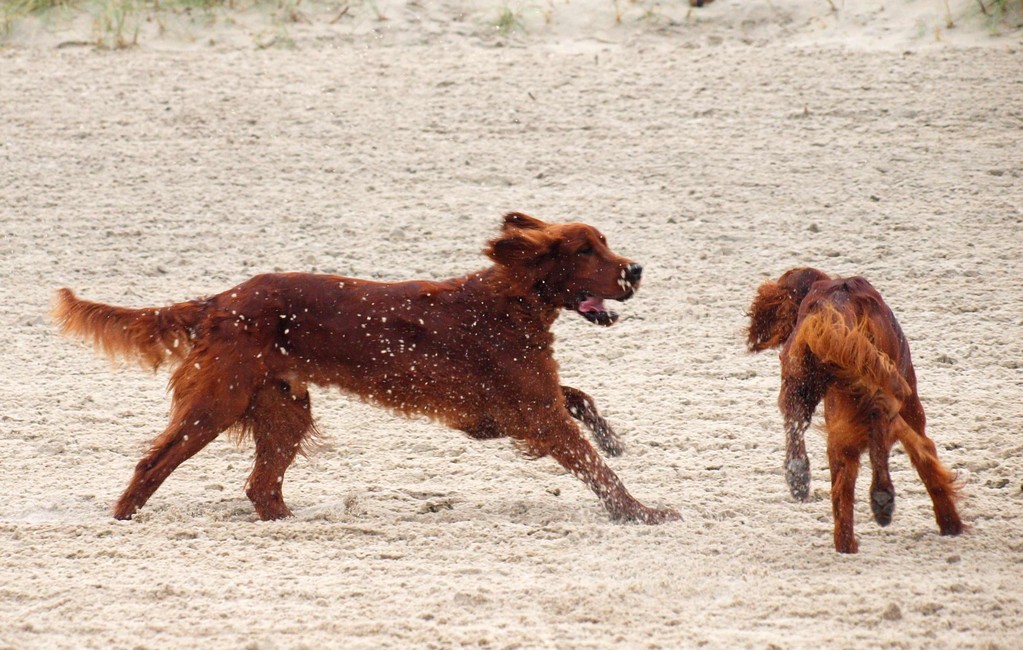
x=717, y=147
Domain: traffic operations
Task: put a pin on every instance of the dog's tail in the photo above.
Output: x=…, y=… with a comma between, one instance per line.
x=152, y=336
x=942, y=483
x=851, y=354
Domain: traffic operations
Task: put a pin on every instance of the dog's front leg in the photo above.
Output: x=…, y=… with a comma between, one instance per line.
x=797, y=464
x=800, y=394
x=582, y=407
x=566, y=445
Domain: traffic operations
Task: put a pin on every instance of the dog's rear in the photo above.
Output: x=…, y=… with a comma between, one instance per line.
x=843, y=345
x=152, y=336
x=844, y=341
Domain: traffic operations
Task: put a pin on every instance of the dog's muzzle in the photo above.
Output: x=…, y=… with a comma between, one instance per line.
x=629, y=280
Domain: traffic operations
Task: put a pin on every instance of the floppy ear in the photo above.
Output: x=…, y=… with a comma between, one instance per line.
x=523, y=221
x=518, y=248
x=772, y=317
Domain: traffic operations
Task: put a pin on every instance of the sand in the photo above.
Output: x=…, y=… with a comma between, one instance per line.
x=717, y=150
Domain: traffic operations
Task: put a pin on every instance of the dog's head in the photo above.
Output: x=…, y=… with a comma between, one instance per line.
x=774, y=311
x=567, y=265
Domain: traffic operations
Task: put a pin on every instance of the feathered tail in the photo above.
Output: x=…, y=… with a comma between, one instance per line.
x=152, y=336
x=851, y=353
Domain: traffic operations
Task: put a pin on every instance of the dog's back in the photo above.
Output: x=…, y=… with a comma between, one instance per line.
x=846, y=325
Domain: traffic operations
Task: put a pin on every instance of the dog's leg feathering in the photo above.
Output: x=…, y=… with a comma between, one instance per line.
x=582, y=407
x=280, y=420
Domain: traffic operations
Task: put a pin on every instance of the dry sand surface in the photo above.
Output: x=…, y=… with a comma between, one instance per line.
x=717, y=150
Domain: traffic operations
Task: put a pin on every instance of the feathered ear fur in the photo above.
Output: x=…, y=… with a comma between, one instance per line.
x=772, y=316
x=519, y=249
x=523, y=221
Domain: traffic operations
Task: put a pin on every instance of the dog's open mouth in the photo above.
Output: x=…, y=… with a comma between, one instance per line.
x=592, y=309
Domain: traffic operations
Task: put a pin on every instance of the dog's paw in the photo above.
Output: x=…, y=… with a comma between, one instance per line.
x=882, y=503
x=645, y=515
x=797, y=474
x=659, y=515
x=951, y=525
x=847, y=544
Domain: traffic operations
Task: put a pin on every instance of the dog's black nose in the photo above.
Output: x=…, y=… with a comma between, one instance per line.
x=633, y=273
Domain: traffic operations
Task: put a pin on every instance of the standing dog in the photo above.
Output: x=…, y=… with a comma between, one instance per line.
x=474, y=353
x=841, y=343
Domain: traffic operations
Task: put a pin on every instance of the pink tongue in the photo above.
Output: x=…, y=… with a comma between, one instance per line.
x=592, y=304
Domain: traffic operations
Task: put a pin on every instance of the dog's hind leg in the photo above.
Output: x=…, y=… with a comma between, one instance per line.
x=848, y=437
x=280, y=420
x=845, y=464
x=582, y=407
x=206, y=403
x=882, y=492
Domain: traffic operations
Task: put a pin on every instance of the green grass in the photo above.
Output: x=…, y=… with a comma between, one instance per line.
x=116, y=23
x=25, y=7
x=1001, y=12
x=12, y=10
x=508, y=21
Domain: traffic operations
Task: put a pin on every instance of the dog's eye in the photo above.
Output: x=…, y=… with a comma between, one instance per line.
x=586, y=250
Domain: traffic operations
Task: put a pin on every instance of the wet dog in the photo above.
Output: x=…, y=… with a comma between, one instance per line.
x=841, y=343
x=474, y=353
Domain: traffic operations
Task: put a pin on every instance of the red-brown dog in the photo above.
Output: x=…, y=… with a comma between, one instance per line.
x=841, y=343
x=474, y=353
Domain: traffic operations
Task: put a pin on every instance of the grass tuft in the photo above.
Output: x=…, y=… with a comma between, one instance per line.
x=508, y=21
x=116, y=23
x=1001, y=13
x=12, y=10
